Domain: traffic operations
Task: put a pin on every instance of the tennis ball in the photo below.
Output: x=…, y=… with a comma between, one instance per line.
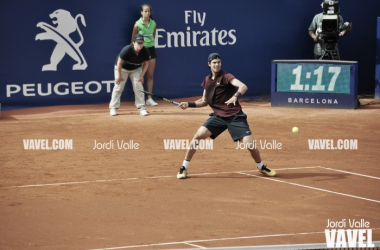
x=295, y=130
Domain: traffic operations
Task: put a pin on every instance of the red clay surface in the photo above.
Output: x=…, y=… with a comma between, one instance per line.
x=119, y=198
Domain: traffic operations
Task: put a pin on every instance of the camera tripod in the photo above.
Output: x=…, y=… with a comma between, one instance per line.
x=329, y=52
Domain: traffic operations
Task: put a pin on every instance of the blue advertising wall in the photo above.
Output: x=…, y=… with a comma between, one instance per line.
x=248, y=34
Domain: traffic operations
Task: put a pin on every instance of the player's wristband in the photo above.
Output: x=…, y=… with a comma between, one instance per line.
x=192, y=105
x=237, y=94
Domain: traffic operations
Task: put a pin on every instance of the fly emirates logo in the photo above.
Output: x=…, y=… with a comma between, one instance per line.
x=194, y=38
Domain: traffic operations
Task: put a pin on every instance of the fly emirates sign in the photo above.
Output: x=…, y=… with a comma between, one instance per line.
x=194, y=38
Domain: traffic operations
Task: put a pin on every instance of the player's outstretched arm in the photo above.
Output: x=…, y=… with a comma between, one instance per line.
x=197, y=104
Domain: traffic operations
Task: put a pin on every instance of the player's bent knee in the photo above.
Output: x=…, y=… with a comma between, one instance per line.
x=202, y=133
x=247, y=139
x=249, y=143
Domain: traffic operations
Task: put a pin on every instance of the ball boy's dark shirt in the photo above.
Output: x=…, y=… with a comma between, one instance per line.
x=218, y=91
x=131, y=59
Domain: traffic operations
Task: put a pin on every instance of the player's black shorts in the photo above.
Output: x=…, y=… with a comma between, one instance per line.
x=152, y=51
x=237, y=125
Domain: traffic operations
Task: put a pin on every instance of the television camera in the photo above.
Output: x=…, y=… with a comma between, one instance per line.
x=332, y=27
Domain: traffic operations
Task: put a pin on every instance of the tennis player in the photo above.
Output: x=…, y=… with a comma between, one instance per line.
x=220, y=93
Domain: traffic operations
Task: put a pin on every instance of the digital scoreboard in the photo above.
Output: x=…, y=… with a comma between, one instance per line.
x=314, y=84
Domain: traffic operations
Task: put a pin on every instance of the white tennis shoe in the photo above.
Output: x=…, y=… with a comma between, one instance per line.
x=113, y=112
x=143, y=112
x=182, y=174
x=267, y=171
x=150, y=102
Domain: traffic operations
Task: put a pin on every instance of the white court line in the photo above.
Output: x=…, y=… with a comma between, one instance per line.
x=129, y=179
x=207, y=240
x=193, y=245
x=314, y=188
x=171, y=176
x=69, y=183
x=191, y=242
x=210, y=240
x=187, y=242
x=347, y=172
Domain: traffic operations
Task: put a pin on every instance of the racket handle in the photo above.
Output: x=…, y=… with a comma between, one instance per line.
x=176, y=103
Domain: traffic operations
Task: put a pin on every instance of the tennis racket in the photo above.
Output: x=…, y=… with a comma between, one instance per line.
x=160, y=97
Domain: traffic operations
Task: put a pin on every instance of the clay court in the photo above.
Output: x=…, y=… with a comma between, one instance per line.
x=85, y=198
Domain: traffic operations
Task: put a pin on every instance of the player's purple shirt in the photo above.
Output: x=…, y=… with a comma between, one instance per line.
x=219, y=91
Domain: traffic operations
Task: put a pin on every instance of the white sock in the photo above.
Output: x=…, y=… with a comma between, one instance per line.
x=186, y=163
x=259, y=164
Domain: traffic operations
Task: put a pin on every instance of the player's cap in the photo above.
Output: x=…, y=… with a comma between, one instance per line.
x=213, y=56
x=138, y=38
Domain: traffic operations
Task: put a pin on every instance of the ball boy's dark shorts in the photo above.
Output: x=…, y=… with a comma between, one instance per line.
x=152, y=51
x=237, y=125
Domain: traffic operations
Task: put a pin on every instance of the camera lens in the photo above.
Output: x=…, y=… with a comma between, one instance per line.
x=330, y=25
